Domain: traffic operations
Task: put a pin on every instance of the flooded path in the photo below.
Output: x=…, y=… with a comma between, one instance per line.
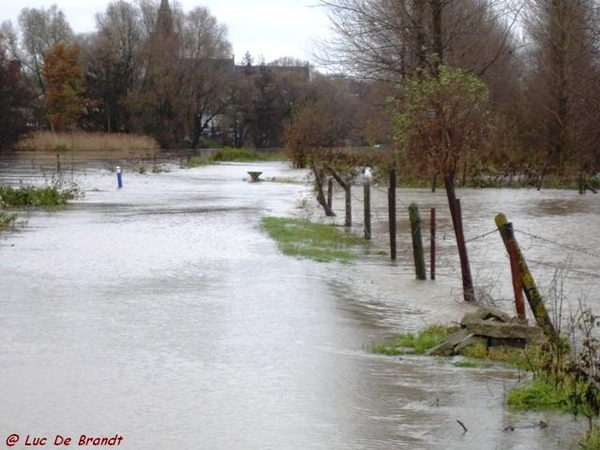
x=162, y=313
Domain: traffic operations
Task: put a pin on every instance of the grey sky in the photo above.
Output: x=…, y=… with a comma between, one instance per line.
x=271, y=28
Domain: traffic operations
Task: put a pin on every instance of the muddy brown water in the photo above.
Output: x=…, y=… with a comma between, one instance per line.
x=160, y=312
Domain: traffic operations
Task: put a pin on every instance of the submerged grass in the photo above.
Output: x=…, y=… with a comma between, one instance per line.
x=417, y=343
x=319, y=242
x=7, y=220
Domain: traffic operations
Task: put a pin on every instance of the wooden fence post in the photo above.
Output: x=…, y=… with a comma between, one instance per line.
x=465, y=268
x=536, y=302
x=392, y=213
x=367, y=200
x=417, y=241
x=432, y=243
x=330, y=192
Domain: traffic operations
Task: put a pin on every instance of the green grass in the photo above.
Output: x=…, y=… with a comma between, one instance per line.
x=48, y=197
x=469, y=363
x=237, y=154
x=416, y=343
x=319, y=242
x=591, y=441
x=231, y=154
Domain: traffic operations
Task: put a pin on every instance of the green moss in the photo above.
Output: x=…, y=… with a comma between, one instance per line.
x=304, y=239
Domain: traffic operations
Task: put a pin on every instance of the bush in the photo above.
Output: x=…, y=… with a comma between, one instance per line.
x=30, y=196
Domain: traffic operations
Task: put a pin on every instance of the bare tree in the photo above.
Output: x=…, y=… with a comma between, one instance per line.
x=38, y=31
x=563, y=76
x=391, y=39
x=207, y=66
x=113, y=63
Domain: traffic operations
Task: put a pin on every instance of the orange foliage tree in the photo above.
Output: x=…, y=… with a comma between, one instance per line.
x=63, y=100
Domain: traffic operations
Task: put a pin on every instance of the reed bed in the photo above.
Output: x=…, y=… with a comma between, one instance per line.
x=46, y=141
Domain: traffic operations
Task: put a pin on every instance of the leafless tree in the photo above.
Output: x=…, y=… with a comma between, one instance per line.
x=391, y=39
x=38, y=30
x=563, y=78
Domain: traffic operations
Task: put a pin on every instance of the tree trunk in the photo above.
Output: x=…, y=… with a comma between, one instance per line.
x=348, y=195
x=437, y=8
x=320, y=192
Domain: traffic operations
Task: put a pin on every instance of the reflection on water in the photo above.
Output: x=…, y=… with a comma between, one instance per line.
x=163, y=313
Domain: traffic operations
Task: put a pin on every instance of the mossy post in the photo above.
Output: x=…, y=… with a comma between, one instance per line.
x=536, y=302
x=330, y=192
x=392, y=213
x=417, y=241
x=511, y=247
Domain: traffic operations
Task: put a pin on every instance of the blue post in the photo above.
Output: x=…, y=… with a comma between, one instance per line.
x=119, y=178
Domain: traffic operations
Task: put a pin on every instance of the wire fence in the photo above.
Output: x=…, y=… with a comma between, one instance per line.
x=449, y=264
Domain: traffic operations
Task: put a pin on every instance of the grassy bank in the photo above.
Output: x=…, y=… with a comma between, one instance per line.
x=83, y=141
x=319, y=242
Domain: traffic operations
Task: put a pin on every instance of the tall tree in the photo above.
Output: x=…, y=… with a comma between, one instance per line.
x=391, y=39
x=563, y=79
x=15, y=100
x=113, y=64
x=186, y=72
x=207, y=68
x=39, y=30
x=64, y=99
x=158, y=100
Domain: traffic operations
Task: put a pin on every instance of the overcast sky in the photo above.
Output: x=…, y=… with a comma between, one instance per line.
x=271, y=28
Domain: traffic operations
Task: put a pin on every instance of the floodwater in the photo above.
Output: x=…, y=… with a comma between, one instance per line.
x=161, y=313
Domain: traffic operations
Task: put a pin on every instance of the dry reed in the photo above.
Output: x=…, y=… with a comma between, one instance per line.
x=84, y=141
